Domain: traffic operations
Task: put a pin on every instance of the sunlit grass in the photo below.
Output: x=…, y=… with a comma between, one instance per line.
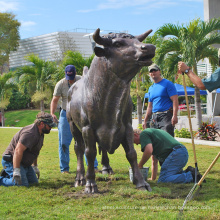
x=56, y=197
x=21, y=118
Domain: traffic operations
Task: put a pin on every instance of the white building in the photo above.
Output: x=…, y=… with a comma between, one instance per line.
x=211, y=10
x=51, y=47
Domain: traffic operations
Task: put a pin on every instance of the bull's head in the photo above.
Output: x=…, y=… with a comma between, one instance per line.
x=125, y=47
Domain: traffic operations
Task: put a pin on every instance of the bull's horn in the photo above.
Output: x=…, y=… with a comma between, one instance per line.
x=144, y=35
x=100, y=40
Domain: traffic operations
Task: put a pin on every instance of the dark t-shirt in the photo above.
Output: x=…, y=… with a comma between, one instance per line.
x=213, y=82
x=162, y=142
x=30, y=137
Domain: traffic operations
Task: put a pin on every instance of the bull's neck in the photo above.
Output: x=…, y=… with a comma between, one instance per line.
x=109, y=92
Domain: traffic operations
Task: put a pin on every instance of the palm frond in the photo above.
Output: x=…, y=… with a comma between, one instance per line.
x=169, y=29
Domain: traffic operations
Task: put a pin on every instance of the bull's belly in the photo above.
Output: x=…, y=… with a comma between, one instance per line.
x=110, y=138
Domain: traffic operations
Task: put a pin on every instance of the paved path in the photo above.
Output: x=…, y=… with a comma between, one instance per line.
x=186, y=140
x=210, y=143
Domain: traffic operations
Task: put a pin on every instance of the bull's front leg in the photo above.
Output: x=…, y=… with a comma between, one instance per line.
x=131, y=155
x=106, y=169
x=90, y=152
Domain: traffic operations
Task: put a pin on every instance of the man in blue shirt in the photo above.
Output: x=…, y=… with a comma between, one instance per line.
x=211, y=83
x=162, y=102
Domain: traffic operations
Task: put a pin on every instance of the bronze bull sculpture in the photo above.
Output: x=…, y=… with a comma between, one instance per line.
x=99, y=108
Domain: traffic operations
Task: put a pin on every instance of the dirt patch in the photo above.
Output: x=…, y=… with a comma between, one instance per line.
x=82, y=194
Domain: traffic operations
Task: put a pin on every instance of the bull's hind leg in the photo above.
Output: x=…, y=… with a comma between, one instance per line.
x=106, y=169
x=90, y=151
x=131, y=155
x=79, y=148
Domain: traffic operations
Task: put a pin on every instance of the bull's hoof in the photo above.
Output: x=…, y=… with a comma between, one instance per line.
x=107, y=170
x=91, y=187
x=145, y=187
x=80, y=182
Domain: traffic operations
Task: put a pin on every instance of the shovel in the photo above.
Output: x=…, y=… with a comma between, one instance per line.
x=190, y=126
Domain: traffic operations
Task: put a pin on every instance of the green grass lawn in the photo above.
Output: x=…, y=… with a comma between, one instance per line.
x=21, y=118
x=56, y=197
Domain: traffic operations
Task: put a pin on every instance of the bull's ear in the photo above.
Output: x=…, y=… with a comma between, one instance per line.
x=99, y=52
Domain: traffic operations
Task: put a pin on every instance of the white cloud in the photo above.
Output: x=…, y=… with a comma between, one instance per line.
x=192, y=0
x=119, y=4
x=135, y=4
x=158, y=5
x=27, y=24
x=8, y=6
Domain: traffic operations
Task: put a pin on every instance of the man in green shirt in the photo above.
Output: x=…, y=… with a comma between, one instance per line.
x=171, y=155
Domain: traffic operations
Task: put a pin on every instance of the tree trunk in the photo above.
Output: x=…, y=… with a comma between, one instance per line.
x=3, y=117
x=198, y=107
x=42, y=105
x=139, y=109
x=197, y=101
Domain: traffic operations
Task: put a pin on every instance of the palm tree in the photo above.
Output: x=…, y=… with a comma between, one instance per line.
x=72, y=58
x=5, y=86
x=41, y=73
x=139, y=86
x=190, y=43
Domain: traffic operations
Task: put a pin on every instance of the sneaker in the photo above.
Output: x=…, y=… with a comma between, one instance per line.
x=66, y=172
x=96, y=170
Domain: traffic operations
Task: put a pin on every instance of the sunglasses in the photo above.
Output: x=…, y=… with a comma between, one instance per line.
x=153, y=70
x=47, y=124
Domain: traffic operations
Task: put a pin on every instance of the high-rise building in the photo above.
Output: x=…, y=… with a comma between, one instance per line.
x=211, y=9
x=51, y=47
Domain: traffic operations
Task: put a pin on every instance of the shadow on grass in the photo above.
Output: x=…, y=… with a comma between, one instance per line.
x=120, y=184
x=180, y=191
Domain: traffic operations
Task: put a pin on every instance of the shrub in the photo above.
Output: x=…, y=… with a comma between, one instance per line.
x=207, y=131
x=140, y=127
x=183, y=133
x=18, y=100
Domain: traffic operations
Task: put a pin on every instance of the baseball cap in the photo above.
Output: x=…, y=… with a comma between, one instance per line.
x=47, y=119
x=153, y=67
x=71, y=72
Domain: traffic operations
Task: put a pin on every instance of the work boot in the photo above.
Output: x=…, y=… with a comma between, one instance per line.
x=192, y=170
x=3, y=173
x=189, y=168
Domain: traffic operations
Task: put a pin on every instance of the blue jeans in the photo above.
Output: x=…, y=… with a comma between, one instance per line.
x=95, y=162
x=172, y=168
x=28, y=175
x=65, y=138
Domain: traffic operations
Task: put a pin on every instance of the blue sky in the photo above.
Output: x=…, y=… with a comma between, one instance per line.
x=39, y=17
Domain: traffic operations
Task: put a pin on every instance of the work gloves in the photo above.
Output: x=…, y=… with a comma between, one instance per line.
x=17, y=176
x=37, y=171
